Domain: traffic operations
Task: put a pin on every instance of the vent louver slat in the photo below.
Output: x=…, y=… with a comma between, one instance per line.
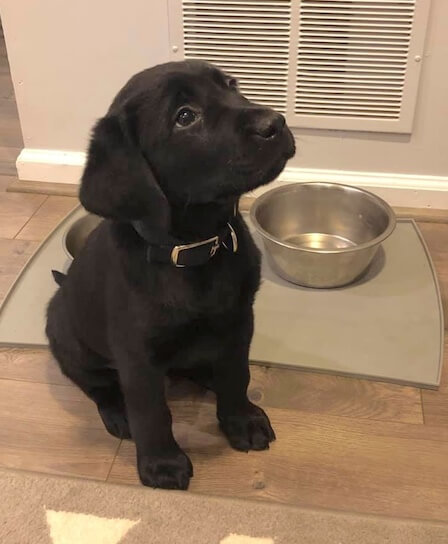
x=249, y=39
x=352, y=57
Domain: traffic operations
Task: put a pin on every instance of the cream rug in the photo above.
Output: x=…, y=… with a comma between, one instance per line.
x=36, y=509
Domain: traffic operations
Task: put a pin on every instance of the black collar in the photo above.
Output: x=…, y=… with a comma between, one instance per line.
x=182, y=254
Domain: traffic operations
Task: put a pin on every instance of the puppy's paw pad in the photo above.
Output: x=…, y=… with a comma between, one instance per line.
x=115, y=421
x=248, y=431
x=169, y=471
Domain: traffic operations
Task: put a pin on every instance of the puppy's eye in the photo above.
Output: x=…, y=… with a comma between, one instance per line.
x=233, y=83
x=186, y=117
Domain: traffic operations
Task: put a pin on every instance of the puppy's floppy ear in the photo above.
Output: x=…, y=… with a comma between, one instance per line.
x=117, y=182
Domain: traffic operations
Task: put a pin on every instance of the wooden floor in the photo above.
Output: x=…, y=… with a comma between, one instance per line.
x=342, y=443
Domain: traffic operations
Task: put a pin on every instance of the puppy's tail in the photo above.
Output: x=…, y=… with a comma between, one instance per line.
x=59, y=277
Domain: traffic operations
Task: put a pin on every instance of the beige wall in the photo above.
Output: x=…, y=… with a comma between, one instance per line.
x=69, y=58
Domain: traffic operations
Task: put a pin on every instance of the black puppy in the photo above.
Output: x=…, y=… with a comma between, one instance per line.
x=166, y=167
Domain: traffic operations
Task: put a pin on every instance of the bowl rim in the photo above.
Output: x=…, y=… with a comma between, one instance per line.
x=291, y=187
x=70, y=229
x=65, y=235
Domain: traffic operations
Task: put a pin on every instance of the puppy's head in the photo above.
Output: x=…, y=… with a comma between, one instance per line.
x=180, y=133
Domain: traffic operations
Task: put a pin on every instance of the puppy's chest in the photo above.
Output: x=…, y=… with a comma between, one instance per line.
x=214, y=289
x=226, y=283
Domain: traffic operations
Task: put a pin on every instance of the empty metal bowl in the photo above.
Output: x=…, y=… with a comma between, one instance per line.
x=76, y=236
x=321, y=234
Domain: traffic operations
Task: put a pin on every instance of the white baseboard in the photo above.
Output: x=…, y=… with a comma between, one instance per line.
x=407, y=190
x=50, y=165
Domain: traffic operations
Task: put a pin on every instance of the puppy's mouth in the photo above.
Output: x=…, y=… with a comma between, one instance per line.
x=255, y=175
x=242, y=175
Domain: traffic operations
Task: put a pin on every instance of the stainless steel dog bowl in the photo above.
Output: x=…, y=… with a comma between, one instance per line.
x=76, y=236
x=321, y=234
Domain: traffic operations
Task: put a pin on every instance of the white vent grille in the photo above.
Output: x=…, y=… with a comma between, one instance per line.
x=328, y=64
x=352, y=57
x=250, y=39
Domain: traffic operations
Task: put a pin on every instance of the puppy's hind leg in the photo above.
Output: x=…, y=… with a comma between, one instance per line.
x=99, y=383
x=88, y=370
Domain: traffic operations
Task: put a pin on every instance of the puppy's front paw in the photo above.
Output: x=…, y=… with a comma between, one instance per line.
x=172, y=470
x=250, y=430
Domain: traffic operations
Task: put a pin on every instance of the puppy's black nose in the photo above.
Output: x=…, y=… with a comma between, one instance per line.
x=268, y=125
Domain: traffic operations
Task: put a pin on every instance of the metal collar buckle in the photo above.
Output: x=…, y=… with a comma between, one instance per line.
x=178, y=249
x=234, y=238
